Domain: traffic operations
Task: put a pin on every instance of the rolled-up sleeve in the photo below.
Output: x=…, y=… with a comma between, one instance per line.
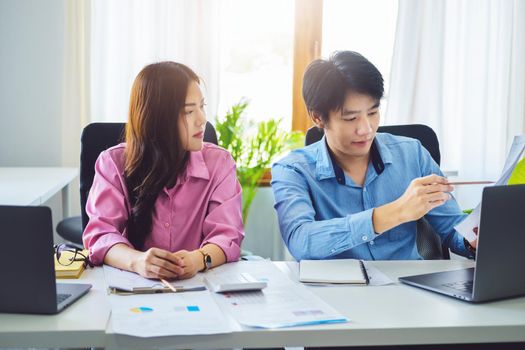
x=223, y=222
x=306, y=237
x=107, y=209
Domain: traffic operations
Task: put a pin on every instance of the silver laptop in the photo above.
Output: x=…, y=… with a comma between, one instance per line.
x=27, y=268
x=500, y=255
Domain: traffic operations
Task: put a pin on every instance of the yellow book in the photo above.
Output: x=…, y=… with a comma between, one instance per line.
x=70, y=271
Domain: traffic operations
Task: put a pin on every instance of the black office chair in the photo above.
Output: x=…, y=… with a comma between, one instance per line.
x=97, y=137
x=428, y=241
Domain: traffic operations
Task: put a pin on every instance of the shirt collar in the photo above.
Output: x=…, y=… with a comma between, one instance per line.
x=196, y=166
x=327, y=167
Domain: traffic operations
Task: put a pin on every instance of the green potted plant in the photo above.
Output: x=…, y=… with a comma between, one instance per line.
x=253, y=147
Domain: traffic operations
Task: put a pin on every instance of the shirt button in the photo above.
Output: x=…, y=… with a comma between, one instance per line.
x=364, y=189
x=372, y=243
x=167, y=224
x=365, y=238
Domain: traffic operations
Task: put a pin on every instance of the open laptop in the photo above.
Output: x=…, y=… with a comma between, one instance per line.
x=500, y=254
x=27, y=270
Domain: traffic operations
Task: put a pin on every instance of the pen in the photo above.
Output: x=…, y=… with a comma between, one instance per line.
x=470, y=183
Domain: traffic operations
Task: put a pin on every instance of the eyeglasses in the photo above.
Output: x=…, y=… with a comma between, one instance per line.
x=67, y=254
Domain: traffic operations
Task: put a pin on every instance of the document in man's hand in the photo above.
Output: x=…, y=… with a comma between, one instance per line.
x=333, y=271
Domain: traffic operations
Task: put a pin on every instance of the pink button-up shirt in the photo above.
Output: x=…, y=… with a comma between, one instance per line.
x=203, y=207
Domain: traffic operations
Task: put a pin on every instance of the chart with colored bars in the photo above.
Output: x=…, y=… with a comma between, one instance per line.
x=144, y=309
x=141, y=309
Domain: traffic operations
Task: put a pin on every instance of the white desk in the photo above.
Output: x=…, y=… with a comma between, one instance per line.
x=82, y=324
x=34, y=186
x=387, y=315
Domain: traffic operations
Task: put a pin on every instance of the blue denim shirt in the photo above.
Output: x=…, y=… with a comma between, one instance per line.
x=323, y=214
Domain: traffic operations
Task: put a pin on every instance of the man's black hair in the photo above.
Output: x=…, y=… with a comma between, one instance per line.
x=326, y=82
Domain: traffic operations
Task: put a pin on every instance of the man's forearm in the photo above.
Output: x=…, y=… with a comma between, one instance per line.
x=386, y=217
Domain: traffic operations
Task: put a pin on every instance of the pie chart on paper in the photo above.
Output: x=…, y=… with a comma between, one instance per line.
x=141, y=309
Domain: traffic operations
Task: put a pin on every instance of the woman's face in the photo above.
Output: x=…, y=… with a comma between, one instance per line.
x=192, y=122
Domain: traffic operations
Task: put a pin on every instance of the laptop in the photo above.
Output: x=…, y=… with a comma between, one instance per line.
x=27, y=270
x=500, y=254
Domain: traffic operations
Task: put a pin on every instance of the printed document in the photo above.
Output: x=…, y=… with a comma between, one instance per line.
x=157, y=315
x=466, y=227
x=283, y=303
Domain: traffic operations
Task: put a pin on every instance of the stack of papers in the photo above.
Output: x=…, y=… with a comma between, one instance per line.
x=157, y=315
x=283, y=303
x=138, y=310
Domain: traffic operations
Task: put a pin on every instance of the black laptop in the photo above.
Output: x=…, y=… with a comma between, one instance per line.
x=27, y=269
x=500, y=255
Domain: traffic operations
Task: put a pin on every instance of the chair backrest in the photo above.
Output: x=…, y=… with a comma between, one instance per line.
x=97, y=137
x=423, y=133
x=428, y=241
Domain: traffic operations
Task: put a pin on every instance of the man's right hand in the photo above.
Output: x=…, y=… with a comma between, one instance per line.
x=422, y=195
x=157, y=263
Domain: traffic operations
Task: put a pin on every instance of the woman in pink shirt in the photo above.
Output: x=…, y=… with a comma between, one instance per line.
x=165, y=204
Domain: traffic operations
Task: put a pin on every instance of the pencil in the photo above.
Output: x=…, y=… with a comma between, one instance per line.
x=178, y=289
x=470, y=183
x=167, y=284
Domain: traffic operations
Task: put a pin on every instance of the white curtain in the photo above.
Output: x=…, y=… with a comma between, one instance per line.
x=76, y=101
x=126, y=35
x=459, y=67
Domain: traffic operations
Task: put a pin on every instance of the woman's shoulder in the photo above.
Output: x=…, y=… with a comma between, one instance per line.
x=113, y=157
x=213, y=154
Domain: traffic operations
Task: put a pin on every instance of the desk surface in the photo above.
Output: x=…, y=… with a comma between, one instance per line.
x=383, y=315
x=83, y=324
x=32, y=186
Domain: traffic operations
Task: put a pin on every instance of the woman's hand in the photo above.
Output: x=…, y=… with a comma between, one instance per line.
x=422, y=195
x=191, y=263
x=157, y=263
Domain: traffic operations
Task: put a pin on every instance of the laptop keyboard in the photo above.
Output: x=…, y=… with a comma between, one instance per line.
x=62, y=297
x=463, y=286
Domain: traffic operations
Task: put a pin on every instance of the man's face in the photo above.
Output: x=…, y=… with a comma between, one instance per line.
x=351, y=130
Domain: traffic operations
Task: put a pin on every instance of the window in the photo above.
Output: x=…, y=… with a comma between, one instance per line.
x=359, y=26
x=256, y=58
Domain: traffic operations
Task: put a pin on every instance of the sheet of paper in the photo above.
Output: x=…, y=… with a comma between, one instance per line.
x=157, y=315
x=125, y=280
x=283, y=303
x=466, y=227
x=376, y=277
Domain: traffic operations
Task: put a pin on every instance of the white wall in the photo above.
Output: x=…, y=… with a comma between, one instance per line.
x=263, y=237
x=31, y=74
x=32, y=36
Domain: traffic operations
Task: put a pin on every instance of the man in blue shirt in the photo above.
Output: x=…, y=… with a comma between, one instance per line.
x=357, y=193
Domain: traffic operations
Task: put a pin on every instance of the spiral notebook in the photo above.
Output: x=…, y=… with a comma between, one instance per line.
x=340, y=271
